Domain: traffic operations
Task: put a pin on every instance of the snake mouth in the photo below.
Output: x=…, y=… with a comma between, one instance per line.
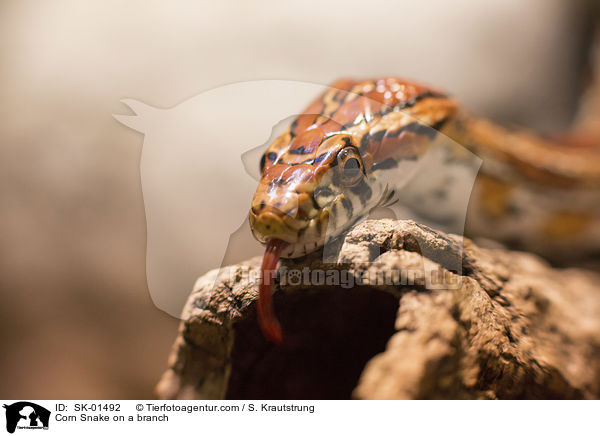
x=301, y=235
x=269, y=225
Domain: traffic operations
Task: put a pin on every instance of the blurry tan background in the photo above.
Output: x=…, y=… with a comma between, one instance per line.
x=76, y=320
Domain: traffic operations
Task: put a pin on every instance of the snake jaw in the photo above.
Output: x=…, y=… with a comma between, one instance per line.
x=300, y=240
x=267, y=226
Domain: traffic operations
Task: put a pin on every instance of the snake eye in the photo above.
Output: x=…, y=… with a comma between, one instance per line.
x=350, y=166
x=267, y=158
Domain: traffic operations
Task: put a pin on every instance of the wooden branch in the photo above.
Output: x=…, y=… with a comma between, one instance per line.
x=504, y=325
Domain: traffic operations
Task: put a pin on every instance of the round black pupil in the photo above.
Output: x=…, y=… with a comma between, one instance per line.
x=351, y=167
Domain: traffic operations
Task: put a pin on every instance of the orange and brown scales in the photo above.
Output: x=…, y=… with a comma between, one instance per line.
x=371, y=115
x=351, y=108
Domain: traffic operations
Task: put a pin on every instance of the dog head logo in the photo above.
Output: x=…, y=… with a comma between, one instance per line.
x=26, y=415
x=200, y=169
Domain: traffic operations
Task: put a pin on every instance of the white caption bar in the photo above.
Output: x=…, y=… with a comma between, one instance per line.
x=300, y=417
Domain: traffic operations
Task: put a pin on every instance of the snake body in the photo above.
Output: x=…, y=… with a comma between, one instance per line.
x=358, y=145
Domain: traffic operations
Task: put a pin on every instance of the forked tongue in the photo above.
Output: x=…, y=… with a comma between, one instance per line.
x=266, y=318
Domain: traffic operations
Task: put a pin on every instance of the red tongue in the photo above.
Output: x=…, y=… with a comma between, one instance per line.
x=266, y=318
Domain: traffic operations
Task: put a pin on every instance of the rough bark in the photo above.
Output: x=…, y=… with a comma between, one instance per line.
x=503, y=325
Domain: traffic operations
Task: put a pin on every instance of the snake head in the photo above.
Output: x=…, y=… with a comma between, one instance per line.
x=335, y=162
x=306, y=196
